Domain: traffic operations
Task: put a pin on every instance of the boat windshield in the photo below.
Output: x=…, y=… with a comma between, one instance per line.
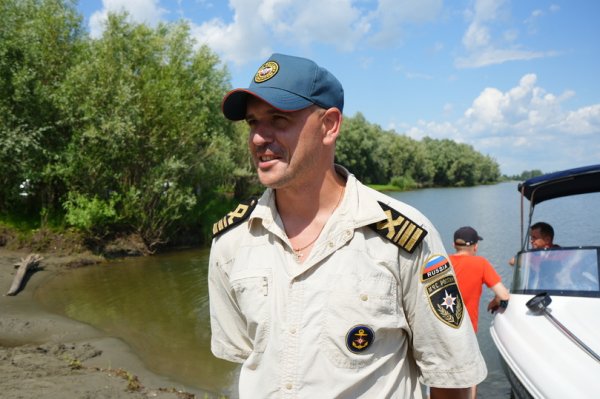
x=558, y=271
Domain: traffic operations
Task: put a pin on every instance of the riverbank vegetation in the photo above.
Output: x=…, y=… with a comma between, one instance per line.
x=122, y=135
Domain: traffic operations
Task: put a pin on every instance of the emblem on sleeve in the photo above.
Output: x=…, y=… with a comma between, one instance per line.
x=434, y=266
x=359, y=338
x=234, y=217
x=445, y=300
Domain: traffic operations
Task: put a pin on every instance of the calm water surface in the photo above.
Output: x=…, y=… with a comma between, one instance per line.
x=159, y=305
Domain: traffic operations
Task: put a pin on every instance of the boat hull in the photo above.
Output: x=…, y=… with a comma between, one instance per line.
x=542, y=361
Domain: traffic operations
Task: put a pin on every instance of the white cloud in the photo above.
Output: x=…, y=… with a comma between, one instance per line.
x=484, y=47
x=392, y=15
x=584, y=121
x=522, y=126
x=146, y=11
x=522, y=109
x=477, y=36
x=246, y=38
x=337, y=23
x=343, y=24
x=257, y=24
x=434, y=130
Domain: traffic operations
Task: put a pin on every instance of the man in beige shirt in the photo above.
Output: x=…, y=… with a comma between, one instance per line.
x=323, y=287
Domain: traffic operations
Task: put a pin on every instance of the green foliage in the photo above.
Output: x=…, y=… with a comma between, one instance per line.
x=39, y=41
x=527, y=174
x=92, y=215
x=403, y=182
x=380, y=157
x=145, y=105
x=358, y=150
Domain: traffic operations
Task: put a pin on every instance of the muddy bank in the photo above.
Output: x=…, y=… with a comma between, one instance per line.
x=50, y=356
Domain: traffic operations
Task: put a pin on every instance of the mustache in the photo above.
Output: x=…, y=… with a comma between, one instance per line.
x=268, y=149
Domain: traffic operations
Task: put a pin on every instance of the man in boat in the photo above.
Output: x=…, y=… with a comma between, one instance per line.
x=541, y=236
x=323, y=287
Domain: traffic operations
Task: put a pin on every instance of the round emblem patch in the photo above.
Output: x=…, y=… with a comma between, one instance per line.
x=266, y=71
x=359, y=338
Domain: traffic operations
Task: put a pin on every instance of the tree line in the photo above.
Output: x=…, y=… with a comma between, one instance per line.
x=124, y=133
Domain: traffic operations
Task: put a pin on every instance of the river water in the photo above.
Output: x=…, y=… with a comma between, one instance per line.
x=159, y=304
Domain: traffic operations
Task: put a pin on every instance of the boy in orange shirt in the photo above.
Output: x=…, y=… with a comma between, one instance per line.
x=472, y=271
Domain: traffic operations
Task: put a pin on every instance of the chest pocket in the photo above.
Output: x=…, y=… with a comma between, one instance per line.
x=355, y=301
x=251, y=290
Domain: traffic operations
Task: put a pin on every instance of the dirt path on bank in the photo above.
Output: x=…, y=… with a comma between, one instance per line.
x=43, y=355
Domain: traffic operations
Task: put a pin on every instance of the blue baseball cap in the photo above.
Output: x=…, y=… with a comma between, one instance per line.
x=287, y=83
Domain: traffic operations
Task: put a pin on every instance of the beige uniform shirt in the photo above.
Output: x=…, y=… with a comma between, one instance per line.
x=360, y=318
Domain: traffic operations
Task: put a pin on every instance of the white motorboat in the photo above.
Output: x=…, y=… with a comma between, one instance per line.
x=548, y=337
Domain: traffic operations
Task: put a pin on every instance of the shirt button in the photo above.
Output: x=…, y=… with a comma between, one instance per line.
x=293, y=330
x=330, y=243
x=364, y=297
x=289, y=385
x=347, y=234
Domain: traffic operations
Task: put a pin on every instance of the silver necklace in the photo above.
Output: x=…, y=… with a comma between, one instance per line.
x=298, y=251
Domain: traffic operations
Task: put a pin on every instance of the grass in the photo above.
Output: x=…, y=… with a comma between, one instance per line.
x=384, y=187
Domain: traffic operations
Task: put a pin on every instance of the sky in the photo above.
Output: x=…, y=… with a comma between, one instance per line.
x=518, y=80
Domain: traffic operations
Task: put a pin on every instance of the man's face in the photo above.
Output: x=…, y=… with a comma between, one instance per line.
x=537, y=240
x=285, y=146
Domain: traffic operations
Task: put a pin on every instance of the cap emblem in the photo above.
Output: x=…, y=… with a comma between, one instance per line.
x=266, y=71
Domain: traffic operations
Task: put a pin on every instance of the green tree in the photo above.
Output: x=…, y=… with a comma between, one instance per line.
x=144, y=105
x=528, y=174
x=359, y=149
x=39, y=41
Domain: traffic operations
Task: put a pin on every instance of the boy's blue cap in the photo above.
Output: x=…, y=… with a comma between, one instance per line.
x=287, y=83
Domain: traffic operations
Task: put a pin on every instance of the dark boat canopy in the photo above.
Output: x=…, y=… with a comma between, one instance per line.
x=581, y=180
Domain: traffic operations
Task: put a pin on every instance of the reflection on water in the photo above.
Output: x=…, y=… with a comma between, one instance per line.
x=158, y=305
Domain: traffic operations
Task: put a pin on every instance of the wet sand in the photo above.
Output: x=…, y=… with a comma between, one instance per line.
x=43, y=355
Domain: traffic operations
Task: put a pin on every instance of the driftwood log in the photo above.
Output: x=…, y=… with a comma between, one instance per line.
x=26, y=264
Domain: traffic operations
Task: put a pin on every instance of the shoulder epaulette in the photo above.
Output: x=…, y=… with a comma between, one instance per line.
x=241, y=213
x=399, y=229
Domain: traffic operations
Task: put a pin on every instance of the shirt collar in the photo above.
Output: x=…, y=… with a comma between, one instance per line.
x=358, y=208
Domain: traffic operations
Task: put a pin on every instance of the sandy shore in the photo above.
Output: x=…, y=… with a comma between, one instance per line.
x=43, y=355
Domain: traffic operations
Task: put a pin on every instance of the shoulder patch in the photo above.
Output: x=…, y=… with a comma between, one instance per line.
x=445, y=300
x=399, y=229
x=241, y=213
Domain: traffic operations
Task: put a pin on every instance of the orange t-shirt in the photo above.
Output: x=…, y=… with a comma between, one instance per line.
x=471, y=273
